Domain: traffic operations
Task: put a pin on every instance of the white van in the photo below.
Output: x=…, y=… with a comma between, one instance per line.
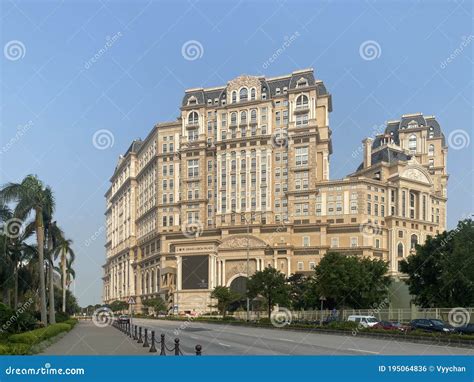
x=365, y=321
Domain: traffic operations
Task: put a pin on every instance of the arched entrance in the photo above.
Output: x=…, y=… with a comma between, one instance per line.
x=239, y=285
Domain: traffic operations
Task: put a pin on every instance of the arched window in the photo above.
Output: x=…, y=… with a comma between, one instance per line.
x=193, y=118
x=413, y=241
x=302, y=102
x=243, y=95
x=412, y=142
x=233, y=119
x=400, y=250
x=253, y=115
x=431, y=150
x=253, y=94
x=234, y=96
x=243, y=117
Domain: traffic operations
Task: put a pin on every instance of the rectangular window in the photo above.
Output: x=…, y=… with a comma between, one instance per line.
x=301, y=156
x=306, y=241
x=354, y=242
x=335, y=242
x=193, y=168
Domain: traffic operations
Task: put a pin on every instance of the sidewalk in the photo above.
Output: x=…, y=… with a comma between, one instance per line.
x=88, y=339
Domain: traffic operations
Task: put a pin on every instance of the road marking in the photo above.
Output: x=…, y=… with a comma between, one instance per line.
x=285, y=339
x=364, y=351
x=194, y=338
x=220, y=343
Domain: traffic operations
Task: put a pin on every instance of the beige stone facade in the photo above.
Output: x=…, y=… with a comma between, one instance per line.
x=245, y=170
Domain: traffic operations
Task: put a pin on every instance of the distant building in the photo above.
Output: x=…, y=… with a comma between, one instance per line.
x=254, y=156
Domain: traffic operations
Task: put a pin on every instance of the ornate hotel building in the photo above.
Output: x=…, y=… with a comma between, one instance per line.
x=245, y=171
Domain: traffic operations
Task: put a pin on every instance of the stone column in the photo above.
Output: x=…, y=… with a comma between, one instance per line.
x=179, y=274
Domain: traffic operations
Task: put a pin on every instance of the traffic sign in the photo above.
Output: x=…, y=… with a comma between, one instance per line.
x=131, y=301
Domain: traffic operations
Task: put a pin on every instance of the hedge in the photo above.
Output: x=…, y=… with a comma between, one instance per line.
x=34, y=337
x=14, y=349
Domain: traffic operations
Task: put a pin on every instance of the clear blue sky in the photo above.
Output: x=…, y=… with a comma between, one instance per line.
x=48, y=78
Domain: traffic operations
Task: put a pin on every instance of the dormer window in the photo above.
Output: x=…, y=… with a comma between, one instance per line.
x=278, y=91
x=192, y=101
x=285, y=90
x=209, y=101
x=431, y=133
x=412, y=125
x=264, y=96
x=243, y=95
x=302, y=82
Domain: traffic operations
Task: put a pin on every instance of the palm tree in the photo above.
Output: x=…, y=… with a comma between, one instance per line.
x=64, y=249
x=32, y=197
x=54, y=236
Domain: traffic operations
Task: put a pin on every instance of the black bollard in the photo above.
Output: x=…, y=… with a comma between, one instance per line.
x=130, y=330
x=140, y=341
x=176, y=346
x=162, y=345
x=198, y=349
x=145, y=343
x=135, y=337
x=152, y=348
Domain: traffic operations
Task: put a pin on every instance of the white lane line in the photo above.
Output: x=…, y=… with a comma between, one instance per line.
x=220, y=343
x=364, y=351
x=193, y=337
x=285, y=339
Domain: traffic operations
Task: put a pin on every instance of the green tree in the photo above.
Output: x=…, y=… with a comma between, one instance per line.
x=271, y=285
x=303, y=292
x=352, y=281
x=225, y=297
x=118, y=305
x=66, y=254
x=157, y=304
x=441, y=272
x=32, y=197
x=72, y=306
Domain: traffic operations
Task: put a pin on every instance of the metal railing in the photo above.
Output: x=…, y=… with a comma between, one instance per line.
x=147, y=338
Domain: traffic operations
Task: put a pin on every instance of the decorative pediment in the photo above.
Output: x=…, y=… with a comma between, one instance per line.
x=414, y=173
x=240, y=242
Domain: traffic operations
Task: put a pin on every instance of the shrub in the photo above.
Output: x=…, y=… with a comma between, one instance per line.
x=36, y=336
x=61, y=317
x=14, y=349
x=342, y=325
x=12, y=321
x=72, y=322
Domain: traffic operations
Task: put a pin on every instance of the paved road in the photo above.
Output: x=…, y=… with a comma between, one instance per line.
x=219, y=339
x=88, y=339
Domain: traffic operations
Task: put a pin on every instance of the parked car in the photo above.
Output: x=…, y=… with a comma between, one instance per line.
x=466, y=329
x=124, y=318
x=365, y=321
x=390, y=325
x=431, y=325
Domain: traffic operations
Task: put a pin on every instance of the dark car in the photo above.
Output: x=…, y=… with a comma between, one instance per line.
x=466, y=329
x=123, y=318
x=389, y=325
x=431, y=325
